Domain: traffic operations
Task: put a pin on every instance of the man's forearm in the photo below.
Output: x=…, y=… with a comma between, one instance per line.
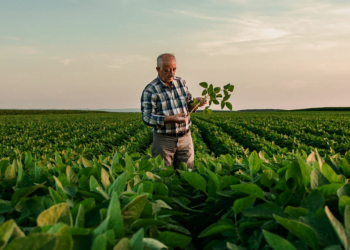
x=168, y=119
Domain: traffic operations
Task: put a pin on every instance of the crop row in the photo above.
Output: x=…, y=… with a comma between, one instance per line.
x=126, y=202
x=86, y=134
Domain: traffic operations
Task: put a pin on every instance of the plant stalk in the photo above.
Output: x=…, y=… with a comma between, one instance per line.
x=205, y=98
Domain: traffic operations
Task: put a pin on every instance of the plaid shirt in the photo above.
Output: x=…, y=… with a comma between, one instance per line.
x=158, y=101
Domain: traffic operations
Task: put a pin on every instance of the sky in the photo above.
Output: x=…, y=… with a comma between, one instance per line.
x=99, y=54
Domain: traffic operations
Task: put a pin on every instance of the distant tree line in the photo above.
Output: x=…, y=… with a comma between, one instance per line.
x=325, y=109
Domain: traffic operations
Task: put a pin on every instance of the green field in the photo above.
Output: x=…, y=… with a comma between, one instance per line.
x=262, y=180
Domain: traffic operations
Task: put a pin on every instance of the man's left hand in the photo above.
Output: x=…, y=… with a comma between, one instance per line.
x=202, y=103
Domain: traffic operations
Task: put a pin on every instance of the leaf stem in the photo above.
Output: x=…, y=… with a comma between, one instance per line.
x=206, y=96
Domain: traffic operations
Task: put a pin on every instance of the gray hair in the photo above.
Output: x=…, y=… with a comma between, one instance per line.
x=161, y=57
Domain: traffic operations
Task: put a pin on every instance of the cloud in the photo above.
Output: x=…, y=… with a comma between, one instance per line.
x=294, y=26
x=65, y=61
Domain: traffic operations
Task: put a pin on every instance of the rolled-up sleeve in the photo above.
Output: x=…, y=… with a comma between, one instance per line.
x=149, y=110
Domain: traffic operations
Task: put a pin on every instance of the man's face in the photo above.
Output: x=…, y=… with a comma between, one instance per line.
x=167, y=70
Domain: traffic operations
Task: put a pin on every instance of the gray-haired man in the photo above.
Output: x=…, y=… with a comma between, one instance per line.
x=165, y=105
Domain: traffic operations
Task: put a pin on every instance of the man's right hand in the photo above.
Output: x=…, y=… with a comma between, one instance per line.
x=178, y=118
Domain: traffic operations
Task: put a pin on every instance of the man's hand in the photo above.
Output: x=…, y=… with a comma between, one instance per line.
x=178, y=118
x=202, y=101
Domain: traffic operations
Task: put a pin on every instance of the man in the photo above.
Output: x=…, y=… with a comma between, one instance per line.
x=165, y=105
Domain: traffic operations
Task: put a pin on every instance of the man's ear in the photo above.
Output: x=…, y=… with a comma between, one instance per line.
x=157, y=68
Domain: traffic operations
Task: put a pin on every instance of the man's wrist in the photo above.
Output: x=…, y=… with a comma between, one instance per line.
x=168, y=119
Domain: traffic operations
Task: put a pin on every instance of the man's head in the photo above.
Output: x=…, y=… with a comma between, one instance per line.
x=166, y=67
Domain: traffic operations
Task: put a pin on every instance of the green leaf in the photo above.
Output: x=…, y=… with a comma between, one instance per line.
x=55, y=196
x=211, y=89
x=216, y=102
x=344, y=190
x=313, y=201
x=99, y=243
x=36, y=241
x=215, y=178
x=19, y=173
x=318, y=179
x=217, y=89
x=305, y=171
x=172, y=239
x=216, y=228
x=347, y=220
x=116, y=220
x=265, y=210
x=343, y=202
x=223, y=104
x=28, y=160
x=228, y=105
x=231, y=88
x=254, y=163
x=123, y=244
x=249, y=188
x=86, y=163
x=203, y=84
x=148, y=222
x=323, y=229
x=23, y=192
x=343, y=163
x=93, y=184
x=301, y=230
x=65, y=241
x=160, y=189
x=277, y=242
x=232, y=246
x=338, y=228
x=105, y=179
x=80, y=220
x=115, y=160
x=196, y=180
x=71, y=176
x=136, y=240
x=8, y=230
x=242, y=203
x=55, y=214
x=10, y=173
x=153, y=244
x=204, y=92
x=70, y=190
x=297, y=211
x=133, y=210
x=119, y=184
x=329, y=173
x=330, y=189
x=129, y=166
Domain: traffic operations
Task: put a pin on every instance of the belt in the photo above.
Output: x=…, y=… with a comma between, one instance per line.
x=180, y=134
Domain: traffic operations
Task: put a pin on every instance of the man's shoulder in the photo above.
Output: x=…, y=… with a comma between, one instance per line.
x=153, y=85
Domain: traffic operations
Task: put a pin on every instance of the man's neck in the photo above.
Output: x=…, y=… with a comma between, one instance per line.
x=166, y=83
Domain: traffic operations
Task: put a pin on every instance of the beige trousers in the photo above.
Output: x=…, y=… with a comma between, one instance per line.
x=174, y=150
